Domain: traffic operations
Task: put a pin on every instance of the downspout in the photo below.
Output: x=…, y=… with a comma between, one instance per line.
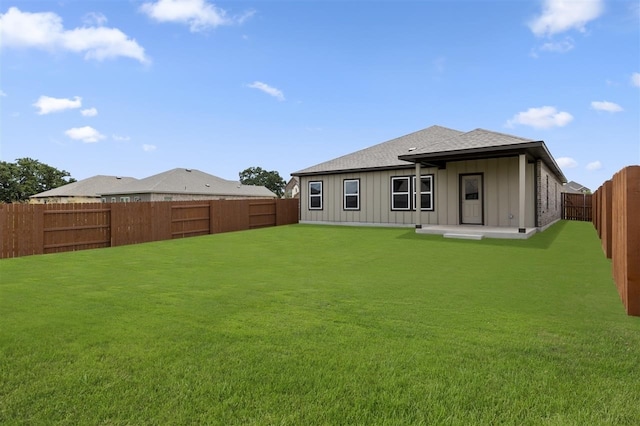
x=536, y=194
x=522, y=193
x=417, y=189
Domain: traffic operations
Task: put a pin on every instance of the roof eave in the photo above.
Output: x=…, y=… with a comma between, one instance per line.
x=536, y=149
x=354, y=170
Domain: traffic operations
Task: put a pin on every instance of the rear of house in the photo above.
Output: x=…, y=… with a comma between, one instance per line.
x=474, y=178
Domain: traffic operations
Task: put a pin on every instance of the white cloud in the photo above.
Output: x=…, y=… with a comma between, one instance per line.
x=89, y=112
x=85, y=134
x=2, y=94
x=562, y=15
x=439, y=64
x=541, y=118
x=595, y=165
x=47, y=104
x=606, y=106
x=566, y=162
x=635, y=79
x=272, y=91
x=94, y=18
x=121, y=138
x=148, y=148
x=200, y=15
x=44, y=30
x=558, y=46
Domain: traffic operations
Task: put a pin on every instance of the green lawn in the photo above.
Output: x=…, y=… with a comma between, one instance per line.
x=320, y=325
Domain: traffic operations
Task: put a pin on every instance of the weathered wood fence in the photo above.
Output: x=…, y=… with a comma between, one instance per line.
x=616, y=207
x=577, y=206
x=27, y=229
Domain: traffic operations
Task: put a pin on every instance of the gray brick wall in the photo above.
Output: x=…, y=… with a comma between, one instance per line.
x=548, y=195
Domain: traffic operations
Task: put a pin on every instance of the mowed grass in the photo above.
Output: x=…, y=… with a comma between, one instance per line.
x=320, y=325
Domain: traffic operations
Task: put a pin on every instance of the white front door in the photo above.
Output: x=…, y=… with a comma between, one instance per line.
x=471, y=199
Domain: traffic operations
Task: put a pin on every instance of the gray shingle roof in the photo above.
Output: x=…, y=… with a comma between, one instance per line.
x=437, y=143
x=478, y=138
x=575, y=188
x=190, y=181
x=90, y=187
x=384, y=155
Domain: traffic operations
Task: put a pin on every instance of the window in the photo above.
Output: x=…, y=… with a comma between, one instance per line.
x=315, y=195
x=546, y=203
x=426, y=192
x=400, y=190
x=403, y=192
x=113, y=199
x=352, y=194
x=125, y=199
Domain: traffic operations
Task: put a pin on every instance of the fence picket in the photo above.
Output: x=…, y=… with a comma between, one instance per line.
x=576, y=206
x=617, y=222
x=27, y=229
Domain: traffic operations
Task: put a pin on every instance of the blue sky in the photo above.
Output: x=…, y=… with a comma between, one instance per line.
x=134, y=88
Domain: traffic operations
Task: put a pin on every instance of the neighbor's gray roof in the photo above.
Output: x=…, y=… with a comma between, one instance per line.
x=434, y=146
x=190, y=181
x=574, y=187
x=90, y=187
x=383, y=155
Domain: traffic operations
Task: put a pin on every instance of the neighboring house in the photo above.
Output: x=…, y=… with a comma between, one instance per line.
x=478, y=177
x=185, y=185
x=83, y=191
x=292, y=190
x=573, y=187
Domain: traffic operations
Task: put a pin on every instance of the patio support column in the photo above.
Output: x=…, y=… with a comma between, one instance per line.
x=418, y=197
x=522, y=192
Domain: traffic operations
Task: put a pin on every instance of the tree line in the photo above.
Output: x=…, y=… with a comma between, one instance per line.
x=26, y=177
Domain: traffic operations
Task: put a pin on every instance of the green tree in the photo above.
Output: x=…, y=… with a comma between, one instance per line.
x=26, y=177
x=259, y=176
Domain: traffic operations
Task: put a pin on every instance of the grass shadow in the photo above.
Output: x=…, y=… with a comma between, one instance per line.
x=540, y=240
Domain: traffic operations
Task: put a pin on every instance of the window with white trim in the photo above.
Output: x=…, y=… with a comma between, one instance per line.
x=315, y=195
x=426, y=192
x=352, y=194
x=400, y=190
x=125, y=199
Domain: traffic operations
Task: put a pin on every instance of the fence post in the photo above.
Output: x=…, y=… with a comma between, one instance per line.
x=606, y=191
x=626, y=237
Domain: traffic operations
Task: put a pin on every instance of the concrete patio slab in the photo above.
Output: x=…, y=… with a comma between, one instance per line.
x=476, y=231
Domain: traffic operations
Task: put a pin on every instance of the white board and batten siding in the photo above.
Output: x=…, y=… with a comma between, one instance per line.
x=500, y=192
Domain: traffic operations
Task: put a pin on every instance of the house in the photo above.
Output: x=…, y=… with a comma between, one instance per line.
x=185, y=185
x=83, y=191
x=480, y=178
x=573, y=187
x=292, y=189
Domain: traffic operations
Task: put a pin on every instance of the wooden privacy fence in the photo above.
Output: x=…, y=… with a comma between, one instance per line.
x=576, y=206
x=616, y=207
x=27, y=229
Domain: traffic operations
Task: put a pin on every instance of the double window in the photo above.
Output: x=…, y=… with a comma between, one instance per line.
x=315, y=195
x=351, y=194
x=403, y=193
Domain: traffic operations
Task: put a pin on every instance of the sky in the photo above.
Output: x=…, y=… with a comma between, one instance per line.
x=135, y=88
